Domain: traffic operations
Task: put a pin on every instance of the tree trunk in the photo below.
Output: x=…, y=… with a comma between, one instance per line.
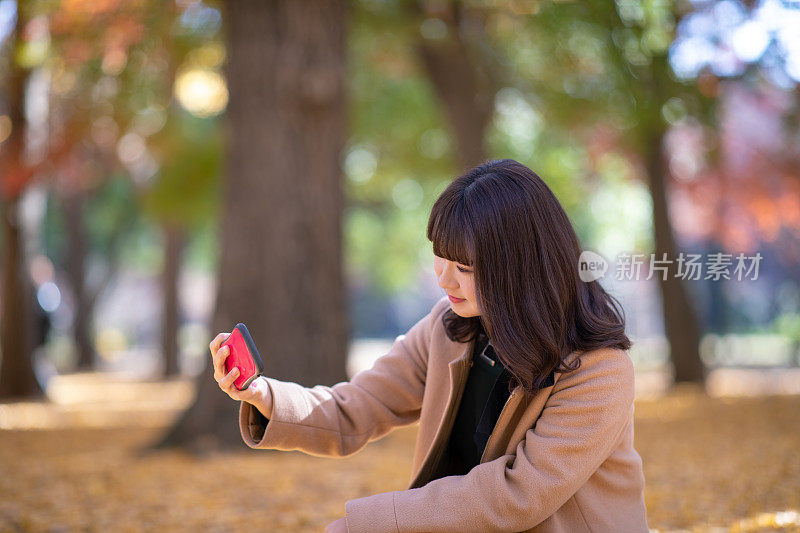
x=174, y=238
x=17, y=378
x=280, y=271
x=73, y=202
x=680, y=321
x=464, y=85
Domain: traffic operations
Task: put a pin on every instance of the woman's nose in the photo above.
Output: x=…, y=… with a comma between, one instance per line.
x=446, y=281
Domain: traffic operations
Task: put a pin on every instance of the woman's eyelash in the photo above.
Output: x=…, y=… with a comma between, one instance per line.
x=462, y=270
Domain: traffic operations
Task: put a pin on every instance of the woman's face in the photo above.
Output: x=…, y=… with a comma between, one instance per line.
x=459, y=282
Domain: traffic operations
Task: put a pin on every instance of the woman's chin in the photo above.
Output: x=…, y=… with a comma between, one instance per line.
x=461, y=312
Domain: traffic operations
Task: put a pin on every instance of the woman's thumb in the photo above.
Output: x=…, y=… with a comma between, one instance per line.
x=254, y=390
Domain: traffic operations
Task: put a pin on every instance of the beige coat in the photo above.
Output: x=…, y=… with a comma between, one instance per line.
x=562, y=462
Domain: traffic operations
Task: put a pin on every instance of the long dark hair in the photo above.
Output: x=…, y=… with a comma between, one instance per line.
x=501, y=219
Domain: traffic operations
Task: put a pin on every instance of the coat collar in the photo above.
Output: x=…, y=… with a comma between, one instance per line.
x=459, y=356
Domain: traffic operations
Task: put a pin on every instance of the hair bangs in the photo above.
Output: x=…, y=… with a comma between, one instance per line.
x=448, y=230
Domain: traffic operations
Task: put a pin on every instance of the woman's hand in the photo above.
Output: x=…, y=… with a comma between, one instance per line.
x=258, y=393
x=340, y=526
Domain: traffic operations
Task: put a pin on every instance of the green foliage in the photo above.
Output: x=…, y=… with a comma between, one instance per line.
x=788, y=324
x=112, y=70
x=110, y=211
x=583, y=85
x=563, y=77
x=184, y=190
x=399, y=150
x=109, y=218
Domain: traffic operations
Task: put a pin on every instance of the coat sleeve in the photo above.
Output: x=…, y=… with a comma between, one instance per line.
x=582, y=422
x=340, y=420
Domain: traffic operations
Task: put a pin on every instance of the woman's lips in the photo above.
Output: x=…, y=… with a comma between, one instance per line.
x=456, y=300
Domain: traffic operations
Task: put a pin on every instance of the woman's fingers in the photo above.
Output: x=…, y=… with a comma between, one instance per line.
x=219, y=370
x=226, y=379
x=214, y=346
x=227, y=382
x=227, y=385
x=219, y=362
x=253, y=391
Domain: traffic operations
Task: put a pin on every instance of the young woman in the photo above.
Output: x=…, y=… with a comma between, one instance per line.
x=519, y=378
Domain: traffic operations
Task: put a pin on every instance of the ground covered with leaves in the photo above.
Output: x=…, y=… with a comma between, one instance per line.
x=711, y=464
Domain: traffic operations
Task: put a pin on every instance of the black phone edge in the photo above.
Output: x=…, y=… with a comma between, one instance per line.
x=252, y=347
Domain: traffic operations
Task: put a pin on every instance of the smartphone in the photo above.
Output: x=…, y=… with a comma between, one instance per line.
x=243, y=355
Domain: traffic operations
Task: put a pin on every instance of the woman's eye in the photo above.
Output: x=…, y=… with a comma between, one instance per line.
x=462, y=269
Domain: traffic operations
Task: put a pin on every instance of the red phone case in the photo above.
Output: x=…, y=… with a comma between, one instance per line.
x=243, y=355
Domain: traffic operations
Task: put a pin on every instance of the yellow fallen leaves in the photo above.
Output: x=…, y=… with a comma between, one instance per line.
x=711, y=464
x=783, y=519
x=715, y=463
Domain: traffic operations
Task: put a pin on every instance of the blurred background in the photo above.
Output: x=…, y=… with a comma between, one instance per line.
x=171, y=168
